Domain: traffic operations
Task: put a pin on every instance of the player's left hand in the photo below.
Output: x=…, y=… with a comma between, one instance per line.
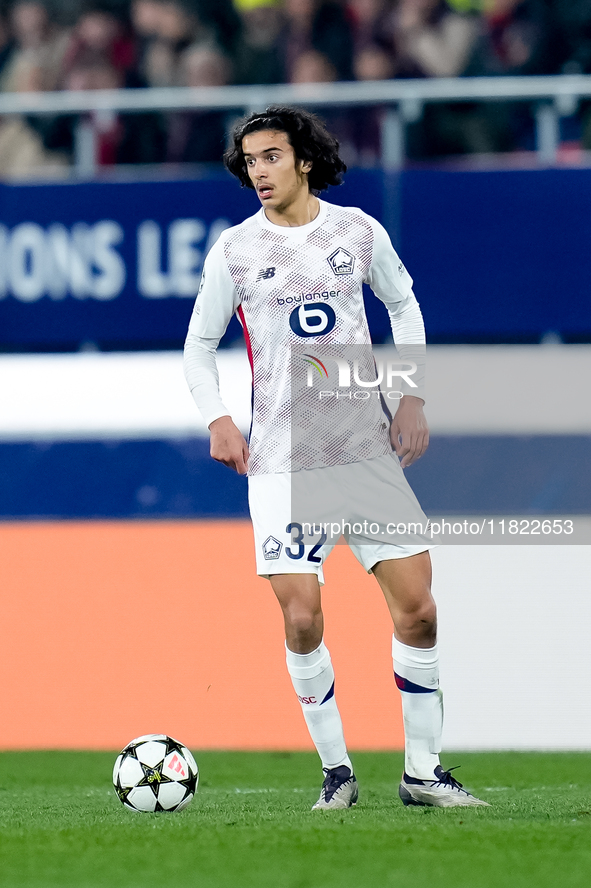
x=409, y=432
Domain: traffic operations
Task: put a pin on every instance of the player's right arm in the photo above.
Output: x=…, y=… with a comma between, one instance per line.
x=216, y=302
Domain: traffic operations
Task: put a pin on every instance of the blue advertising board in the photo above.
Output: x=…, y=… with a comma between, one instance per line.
x=500, y=475
x=117, y=264
x=499, y=255
x=496, y=256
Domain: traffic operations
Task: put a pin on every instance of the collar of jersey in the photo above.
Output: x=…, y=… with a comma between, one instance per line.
x=298, y=232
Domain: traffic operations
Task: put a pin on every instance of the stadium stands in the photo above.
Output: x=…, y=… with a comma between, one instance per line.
x=112, y=44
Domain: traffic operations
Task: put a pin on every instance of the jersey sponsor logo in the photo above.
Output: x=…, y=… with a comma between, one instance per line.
x=266, y=274
x=307, y=297
x=341, y=261
x=272, y=549
x=315, y=319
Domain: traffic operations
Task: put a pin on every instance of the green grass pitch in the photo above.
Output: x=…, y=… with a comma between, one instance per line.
x=250, y=826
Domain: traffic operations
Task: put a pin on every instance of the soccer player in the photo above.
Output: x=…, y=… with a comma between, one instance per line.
x=294, y=273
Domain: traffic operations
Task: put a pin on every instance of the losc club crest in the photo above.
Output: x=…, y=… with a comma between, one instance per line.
x=341, y=261
x=272, y=549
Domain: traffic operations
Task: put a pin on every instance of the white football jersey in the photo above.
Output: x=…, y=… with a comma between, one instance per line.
x=298, y=294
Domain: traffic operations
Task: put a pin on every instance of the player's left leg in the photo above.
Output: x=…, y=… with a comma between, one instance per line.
x=406, y=584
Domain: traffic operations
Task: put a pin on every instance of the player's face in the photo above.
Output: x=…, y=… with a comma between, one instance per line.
x=274, y=170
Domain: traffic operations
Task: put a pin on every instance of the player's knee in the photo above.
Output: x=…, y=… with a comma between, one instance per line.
x=303, y=624
x=301, y=621
x=419, y=626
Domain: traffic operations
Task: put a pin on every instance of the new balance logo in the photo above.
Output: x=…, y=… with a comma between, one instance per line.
x=266, y=273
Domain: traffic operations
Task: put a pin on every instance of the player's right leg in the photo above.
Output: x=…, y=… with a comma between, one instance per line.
x=312, y=675
x=295, y=572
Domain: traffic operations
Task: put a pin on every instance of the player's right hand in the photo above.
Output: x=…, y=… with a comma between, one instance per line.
x=228, y=445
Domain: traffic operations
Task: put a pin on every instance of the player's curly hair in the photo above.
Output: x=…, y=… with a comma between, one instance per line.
x=308, y=137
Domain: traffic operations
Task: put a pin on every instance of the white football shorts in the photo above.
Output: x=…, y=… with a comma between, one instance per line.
x=298, y=517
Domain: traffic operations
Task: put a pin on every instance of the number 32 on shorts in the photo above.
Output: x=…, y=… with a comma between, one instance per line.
x=297, y=540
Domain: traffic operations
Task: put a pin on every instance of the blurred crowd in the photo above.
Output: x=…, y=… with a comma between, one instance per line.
x=107, y=44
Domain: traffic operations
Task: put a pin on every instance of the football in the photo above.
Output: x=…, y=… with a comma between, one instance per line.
x=155, y=773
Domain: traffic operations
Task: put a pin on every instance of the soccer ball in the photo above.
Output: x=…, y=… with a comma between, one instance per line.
x=155, y=773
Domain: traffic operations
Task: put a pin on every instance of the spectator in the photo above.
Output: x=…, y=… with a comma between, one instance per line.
x=571, y=29
x=257, y=58
x=374, y=62
x=168, y=27
x=120, y=139
x=6, y=44
x=223, y=21
x=204, y=66
x=516, y=38
x=103, y=31
x=199, y=136
x=145, y=15
x=432, y=40
x=36, y=60
x=313, y=67
x=374, y=59
x=30, y=61
x=319, y=25
x=23, y=154
x=98, y=72
x=372, y=24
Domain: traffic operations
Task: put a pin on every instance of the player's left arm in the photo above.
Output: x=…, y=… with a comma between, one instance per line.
x=392, y=284
x=409, y=432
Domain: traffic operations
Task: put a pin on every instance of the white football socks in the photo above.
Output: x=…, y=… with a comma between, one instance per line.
x=417, y=675
x=312, y=676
